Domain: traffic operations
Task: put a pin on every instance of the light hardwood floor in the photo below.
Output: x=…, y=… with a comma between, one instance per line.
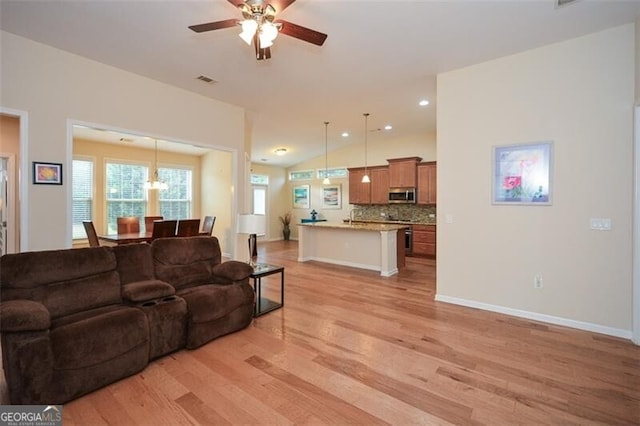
x=352, y=347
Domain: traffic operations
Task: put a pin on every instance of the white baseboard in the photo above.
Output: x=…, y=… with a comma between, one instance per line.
x=580, y=325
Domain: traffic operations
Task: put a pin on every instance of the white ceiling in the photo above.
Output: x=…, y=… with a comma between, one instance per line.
x=380, y=57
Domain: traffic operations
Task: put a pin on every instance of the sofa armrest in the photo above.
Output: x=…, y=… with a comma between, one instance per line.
x=232, y=270
x=23, y=315
x=141, y=291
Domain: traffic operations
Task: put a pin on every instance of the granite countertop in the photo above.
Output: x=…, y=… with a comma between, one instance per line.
x=391, y=222
x=358, y=226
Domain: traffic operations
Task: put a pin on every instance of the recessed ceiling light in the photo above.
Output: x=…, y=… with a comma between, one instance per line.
x=423, y=102
x=388, y=127
x=280, y=151
x=345, y=134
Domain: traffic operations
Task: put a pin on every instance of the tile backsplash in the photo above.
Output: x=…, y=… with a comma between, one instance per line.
x=410, y=212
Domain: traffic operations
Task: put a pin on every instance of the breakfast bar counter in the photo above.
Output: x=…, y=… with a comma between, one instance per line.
x=373, y=246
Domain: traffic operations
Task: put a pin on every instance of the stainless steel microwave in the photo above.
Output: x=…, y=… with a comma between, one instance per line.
x=402, y=195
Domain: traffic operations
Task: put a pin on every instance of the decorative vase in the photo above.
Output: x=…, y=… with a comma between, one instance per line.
x=286, y=232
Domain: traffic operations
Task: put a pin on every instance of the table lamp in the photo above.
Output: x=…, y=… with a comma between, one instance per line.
x=252, y=224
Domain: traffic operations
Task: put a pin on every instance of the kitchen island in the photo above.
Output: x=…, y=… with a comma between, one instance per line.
x=373, y=246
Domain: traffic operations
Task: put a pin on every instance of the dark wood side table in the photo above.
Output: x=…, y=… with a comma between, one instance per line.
x=263, y=304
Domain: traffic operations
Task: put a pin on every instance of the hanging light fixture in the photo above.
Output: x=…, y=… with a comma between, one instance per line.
x=156, y=183
x=365, y=178
x=326, y=180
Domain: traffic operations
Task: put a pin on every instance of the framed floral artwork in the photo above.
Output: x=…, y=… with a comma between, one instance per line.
x=301, y=197
x=522, y=174
x=47, y=173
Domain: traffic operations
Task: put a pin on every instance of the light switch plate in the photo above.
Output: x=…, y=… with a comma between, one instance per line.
x=600, y=224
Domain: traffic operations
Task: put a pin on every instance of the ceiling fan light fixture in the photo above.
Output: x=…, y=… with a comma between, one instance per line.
x=268, y=33
x=249, y=28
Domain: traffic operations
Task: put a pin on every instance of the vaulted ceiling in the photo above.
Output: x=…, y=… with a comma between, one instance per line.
x=380, y=57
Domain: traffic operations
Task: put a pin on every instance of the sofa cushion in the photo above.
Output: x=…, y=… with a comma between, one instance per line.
x=185, y=262
x=98, y=336
x=142, y=291
x=210, y=302
x=134, y=262
x=64, y=281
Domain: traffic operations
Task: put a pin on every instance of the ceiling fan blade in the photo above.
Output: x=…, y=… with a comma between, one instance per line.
x=302, y=33
x=210, y=26
x=280, y=5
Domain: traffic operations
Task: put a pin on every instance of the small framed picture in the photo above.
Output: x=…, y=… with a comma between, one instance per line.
x=331, y=197
x=522, y=174
x=301, y=197
x=47, y=173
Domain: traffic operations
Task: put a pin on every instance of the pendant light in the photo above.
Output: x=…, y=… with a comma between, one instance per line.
x=156, y=183
x=365, y=178
x=326, y=180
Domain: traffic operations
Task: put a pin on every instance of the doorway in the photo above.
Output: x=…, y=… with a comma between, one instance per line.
x=10, y=149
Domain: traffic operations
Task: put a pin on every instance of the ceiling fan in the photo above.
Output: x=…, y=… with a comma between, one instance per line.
x=260, y=26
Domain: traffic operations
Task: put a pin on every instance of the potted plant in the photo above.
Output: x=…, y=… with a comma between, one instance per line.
x=286, y=220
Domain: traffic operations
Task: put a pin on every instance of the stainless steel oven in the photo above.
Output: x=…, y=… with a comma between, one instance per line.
x=408, y=240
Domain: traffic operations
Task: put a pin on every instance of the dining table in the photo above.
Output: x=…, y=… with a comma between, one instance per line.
x=129, y=238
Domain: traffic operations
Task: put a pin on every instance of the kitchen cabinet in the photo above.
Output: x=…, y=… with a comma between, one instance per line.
x=424, y=240
x=379, y=184
x=427, y=173
x=403, y=172
x=359, y=193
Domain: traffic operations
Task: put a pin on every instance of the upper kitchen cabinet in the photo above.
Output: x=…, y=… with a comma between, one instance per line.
x=403, y=172
x=359, y=193
x=379, y=184
x=427, y=183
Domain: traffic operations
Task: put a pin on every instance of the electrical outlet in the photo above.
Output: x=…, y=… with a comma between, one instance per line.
x=537, y=281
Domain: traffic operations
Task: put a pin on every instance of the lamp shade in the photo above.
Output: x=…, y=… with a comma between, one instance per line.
x=251, y=224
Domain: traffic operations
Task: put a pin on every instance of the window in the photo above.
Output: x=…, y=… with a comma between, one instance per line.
x=259, y=200
x=301, y=175
x=125, y=192
x=82, y=196
x=259, y=180
x=175, y=202
x=336, y=172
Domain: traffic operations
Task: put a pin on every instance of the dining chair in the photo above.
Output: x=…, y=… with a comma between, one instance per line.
x=164, y=229
x=128, y=225
x=188, y=227
x=207, y=225
x=148, y=222
x=92, y=235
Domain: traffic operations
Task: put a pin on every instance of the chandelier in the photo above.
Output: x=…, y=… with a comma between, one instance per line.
x=156, y=183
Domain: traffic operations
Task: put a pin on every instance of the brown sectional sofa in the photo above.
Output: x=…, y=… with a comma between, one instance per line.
x=75, y=320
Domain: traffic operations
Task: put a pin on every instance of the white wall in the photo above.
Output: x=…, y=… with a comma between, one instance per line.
x=580, y=95
x=54, y=86
x=217, y=196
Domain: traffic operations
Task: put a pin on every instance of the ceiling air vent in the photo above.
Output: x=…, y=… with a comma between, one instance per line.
x=561, y=3
x=210, y=80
